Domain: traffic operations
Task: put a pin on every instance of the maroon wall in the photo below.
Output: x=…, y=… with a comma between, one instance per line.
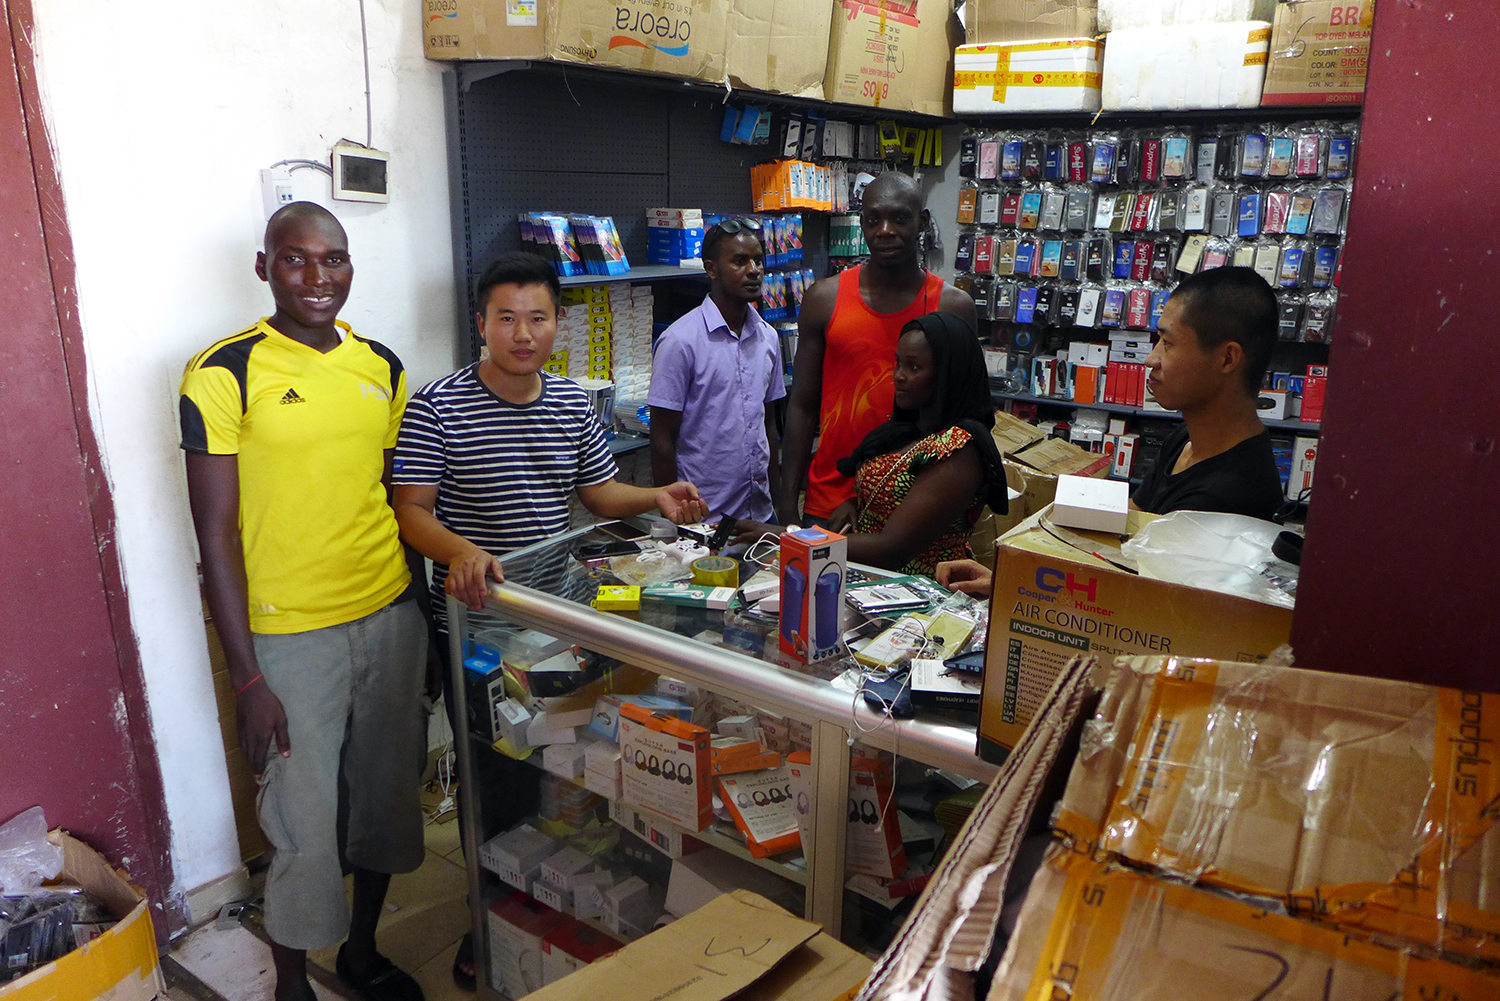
x=1403, y=536
x=74, y=736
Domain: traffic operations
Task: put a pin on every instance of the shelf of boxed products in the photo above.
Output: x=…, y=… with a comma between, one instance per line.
x=667, y=837
x=1063, y=119
x=640, y=273
x=1116, y=408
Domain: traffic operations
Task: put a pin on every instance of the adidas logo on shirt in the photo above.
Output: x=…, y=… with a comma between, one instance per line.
x=292, y=397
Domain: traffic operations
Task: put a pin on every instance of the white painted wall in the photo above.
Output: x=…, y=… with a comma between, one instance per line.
x=161, y=115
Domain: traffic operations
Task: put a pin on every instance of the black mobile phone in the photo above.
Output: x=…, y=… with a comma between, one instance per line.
x=602, y=550
x=622, y=530
x=721, y=534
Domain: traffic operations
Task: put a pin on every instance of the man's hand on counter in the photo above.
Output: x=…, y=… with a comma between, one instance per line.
x=467, y=574
x=968, y=576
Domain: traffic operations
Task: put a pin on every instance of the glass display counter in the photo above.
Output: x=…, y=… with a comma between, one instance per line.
x=875, y=799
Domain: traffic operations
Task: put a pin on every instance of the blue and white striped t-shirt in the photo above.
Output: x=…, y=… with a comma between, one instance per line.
x=504, y=471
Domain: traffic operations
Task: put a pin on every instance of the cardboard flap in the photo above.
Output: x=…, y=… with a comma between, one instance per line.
x=723, y=948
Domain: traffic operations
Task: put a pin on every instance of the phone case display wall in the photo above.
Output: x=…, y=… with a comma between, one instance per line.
x=1081, y=234
x=657, y=791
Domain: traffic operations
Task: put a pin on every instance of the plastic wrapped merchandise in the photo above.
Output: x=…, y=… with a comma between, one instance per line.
x=1229, y=553
x=27, y=858
x=1361, y=803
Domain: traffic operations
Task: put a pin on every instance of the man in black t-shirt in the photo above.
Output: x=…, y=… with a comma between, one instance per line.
x=1213, y=345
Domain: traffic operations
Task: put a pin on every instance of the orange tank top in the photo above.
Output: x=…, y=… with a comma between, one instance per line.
x=859, y=357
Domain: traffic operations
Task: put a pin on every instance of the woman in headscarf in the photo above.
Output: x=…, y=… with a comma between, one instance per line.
x=922, y=477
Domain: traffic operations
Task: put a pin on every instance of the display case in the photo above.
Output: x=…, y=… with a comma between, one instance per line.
x=717, y=662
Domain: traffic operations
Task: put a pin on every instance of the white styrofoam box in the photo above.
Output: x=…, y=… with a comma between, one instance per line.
x=1061, y=74
x=1186, y=66
x=1092, y=504
x=1117, y=14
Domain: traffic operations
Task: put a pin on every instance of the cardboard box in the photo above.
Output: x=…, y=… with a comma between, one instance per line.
x=121, y=964
x=1053, y=599
x=651, y=36
x=893, y=54
x=778, y=46
x=1364, y=803
x=1109, y=932
x=1186, y=66
x=998, y=21
x=740, y=945
x=1059, y=75
x=1013, y=435
x=665, y=767
x=813, y=562
x=1320, y=52
x=1056, y=457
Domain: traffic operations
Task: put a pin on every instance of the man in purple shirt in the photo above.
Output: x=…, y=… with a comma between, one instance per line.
x=715, y=378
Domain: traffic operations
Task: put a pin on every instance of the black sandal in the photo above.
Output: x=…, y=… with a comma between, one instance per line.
x=465, y=957
x=384, y=982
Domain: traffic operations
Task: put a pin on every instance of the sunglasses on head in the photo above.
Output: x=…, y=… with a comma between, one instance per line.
x=733, y=226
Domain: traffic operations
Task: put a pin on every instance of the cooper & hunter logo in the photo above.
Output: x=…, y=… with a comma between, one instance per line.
x=292, y=397
x=1056, y=582
x=661, y=26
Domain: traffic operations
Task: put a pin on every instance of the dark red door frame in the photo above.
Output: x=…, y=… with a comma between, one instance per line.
x=68, y=643
x=1398, y=579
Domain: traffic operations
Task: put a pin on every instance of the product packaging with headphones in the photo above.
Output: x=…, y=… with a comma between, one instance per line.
x=812, y=593
x=764, y=809
x=873, y=839
x=665, y=766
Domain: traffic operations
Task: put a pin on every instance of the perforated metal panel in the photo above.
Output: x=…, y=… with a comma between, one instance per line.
x=546, y=138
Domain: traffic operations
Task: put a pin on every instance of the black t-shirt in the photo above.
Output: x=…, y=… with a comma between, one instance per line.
x=1243, y=480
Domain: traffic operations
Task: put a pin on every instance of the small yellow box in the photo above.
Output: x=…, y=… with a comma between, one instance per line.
x=615, y=598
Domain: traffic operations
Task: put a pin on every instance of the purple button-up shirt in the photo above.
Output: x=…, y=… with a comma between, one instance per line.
x=721, y=382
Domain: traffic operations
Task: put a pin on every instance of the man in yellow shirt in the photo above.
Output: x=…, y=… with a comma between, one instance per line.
x=288, y=429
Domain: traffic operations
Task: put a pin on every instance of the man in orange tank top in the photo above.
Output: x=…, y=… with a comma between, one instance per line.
x=846, y=347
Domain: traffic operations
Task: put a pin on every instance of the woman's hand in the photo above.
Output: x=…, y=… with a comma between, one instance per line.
x=843, y=517
x=968, y=576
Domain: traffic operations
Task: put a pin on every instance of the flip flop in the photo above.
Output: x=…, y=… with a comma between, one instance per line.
x=464, y=957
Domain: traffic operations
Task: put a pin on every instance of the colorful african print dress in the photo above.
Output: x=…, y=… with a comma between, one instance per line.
x=883, y=482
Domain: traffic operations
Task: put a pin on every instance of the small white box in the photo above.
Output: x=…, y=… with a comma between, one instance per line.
x=601, y=768
x=511, y=721
x=588, y=894
x=1271, y=404
x=516, y=856
x=738, y=726
x=1091, y=504
x=566, y=761
x=625, y=904
x=1088, y=354
x=1304, y=455
x=560, y=867
x=555, y=897
x=1125, y=455
x=541, y=730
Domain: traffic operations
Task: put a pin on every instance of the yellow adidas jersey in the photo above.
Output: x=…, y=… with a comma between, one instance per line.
x=310, y=430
